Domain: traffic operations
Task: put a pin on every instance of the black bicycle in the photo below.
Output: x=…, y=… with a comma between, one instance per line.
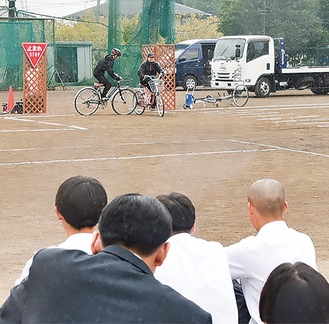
x=123, y=99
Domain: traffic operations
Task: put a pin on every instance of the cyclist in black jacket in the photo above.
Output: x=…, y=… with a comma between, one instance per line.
x=146, y=71
x=106, y=64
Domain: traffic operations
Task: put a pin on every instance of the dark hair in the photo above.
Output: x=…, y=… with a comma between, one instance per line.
x=295, y=293
x=181, y=210
x=80, y=201
x=135, y=221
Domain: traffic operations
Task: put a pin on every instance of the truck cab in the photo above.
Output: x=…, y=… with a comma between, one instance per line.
x=193, y=59
x=243, y=59
x=260, y=63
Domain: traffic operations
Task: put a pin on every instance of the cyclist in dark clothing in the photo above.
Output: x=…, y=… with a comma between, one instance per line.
x=106, y=64
x=148, y=70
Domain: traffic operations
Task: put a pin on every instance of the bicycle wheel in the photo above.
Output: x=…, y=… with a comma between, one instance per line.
x=141, y=102
x=160, y=105
x=240, y=95
x=87, y=101
x=124, y=101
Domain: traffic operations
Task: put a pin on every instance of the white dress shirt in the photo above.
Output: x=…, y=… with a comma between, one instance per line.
x=254, y=258
x=199, y=271
x=79, y=241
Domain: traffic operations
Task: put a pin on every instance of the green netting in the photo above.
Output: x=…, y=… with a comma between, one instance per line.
x=14, y=32
x=156, y=25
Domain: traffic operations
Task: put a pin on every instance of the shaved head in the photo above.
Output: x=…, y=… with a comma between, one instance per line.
x=268, y=197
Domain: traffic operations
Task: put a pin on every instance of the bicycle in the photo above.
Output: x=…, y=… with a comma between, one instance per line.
x=143, y=100
x=51, y=85
x=239, y=97
x=88, y=99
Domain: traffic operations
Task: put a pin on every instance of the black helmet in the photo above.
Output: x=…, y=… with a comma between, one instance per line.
x=116, y=51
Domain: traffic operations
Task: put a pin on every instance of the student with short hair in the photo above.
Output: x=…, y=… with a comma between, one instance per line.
x=116, y=284
x=78, y=205
x=196, y=268
x=252, y=259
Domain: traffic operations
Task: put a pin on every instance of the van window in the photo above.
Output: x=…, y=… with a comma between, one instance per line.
x=179, y=48
x=208, y=51
x=192, y=54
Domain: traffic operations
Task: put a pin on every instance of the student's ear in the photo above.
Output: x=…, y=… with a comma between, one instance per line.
x=96, y=243
x=285, y=207
x=58, y=214
x=253, y=216
x=193, y=229
x=250, y=208
x=162, y=254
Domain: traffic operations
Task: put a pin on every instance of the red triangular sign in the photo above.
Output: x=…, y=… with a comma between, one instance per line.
x=34, y=52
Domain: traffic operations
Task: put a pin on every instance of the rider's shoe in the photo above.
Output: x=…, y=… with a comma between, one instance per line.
x=153, y=107
x=104, y=98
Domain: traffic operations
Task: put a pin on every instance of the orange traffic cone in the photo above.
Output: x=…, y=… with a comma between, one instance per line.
x=11, y=100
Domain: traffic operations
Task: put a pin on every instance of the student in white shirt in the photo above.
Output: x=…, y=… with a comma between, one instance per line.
x=194, y=267
x=78, y=205
x=253, y=258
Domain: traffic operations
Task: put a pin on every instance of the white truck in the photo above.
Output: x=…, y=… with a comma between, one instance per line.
x=260, y=62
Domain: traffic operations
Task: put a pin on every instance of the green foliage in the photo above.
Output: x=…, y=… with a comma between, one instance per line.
x=231, y=18
x=297, y=21
x=92, y=31
x=129, y=26
x=87, y=31
x=193, y=27
x=324, y=13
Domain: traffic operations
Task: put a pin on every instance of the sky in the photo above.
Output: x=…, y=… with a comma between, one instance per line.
x=56, y=8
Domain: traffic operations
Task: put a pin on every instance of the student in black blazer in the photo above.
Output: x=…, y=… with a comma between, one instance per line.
x=116, y=284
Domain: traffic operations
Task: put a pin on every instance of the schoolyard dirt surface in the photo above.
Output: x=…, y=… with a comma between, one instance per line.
x=212, y=154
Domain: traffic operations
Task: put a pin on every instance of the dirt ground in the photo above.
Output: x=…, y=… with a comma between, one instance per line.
x=212, y=154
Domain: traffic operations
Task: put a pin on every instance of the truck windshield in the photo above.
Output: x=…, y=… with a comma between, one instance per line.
x=225, y=48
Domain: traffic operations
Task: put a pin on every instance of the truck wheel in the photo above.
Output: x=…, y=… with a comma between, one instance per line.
x=189, y=82
x=304, y=83
x=263, y=88
x=320, y=91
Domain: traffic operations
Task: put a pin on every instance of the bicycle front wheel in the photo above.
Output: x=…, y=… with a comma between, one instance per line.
x=141, y=102
x=87, y=101
x=160, y=105
x=240, y=95
x=124, y=101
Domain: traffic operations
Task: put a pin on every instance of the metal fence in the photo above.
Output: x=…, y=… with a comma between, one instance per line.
x=14, y=32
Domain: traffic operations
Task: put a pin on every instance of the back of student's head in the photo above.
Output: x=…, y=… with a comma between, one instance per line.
x=295, y=293
x=181, y=210
x=135, y=221
x=80, y=201
x=268, y=197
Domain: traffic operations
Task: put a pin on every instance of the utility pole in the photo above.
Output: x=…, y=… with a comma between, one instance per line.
x=98, y=10
x=264, y=17
x=11, y=8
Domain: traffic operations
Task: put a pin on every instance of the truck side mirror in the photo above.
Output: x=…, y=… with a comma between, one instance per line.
x=237, y=51
x=182, y=59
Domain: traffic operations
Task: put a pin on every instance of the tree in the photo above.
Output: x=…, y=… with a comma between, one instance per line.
x=324, y=14
x=86, y=30
x=194, y=27
x=297, y=21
